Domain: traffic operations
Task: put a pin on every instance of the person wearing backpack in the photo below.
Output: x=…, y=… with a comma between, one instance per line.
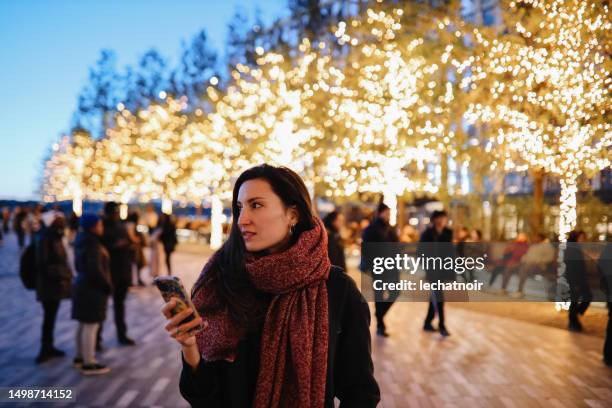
x=53, y=280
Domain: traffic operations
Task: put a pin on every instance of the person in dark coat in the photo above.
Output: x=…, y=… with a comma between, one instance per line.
x=119, y=246
x=576, y=273
x=19, y=225
x=53, y=280
x=439, y=234
x=91, y=289
x=168, y=237
x=379, y=230
x=333, y=222
x=299, y=335
x=5, y=215
x=605, y=269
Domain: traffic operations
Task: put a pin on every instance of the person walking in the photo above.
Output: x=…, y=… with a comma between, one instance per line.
x=53, y=280
x=576, y=274
x=168, y=238
x=283, y=327
x=436, y=241
x=120, y=249
x=333, y=222
x=91, y=289
x=379, y=230
x=20, y=216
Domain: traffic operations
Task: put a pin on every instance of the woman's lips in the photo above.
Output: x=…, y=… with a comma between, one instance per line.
x=248, y=235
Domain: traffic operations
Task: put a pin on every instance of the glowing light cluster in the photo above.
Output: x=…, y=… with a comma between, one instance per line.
x=373, y=112
x=546, y=87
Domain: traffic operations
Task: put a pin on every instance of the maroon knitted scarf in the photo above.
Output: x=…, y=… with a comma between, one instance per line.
x=293, y=355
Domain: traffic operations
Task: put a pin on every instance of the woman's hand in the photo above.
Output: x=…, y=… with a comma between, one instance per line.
x=182, y=333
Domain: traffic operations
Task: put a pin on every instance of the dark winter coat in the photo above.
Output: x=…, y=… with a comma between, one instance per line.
x=377, y=231
x=576, y=268
x=168, y=237
x=350, y=372
x=335, y=249
x=119, y=247
x=440, y=245
x=54, y=277
x=92, y=285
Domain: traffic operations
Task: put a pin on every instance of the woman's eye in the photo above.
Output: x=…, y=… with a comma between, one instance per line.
x=256, y=205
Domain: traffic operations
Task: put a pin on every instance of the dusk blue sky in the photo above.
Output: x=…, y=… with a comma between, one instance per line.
x=47, y=48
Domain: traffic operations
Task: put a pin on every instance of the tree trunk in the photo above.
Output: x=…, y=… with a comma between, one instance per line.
x=567, y=207
x=537, y=215
x=443, y=192
x=401, y=216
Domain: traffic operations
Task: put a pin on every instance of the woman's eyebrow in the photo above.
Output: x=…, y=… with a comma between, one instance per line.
x=253, y=199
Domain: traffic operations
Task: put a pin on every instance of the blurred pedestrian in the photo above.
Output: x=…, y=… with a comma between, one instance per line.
x=34, y=220
x=155, y=247
x=379, y=230
x=576, y=274
x=91, y=290
x=167, y=237
x=138, y=242
x=6, y=217
x=120, y=249
x=19, y=225
x=53, y=280
x=536, y=260
x=511, y=258
x=605, y=269
x=436, y=241
x=333, y=223
x=73, y=227
x=151, y=218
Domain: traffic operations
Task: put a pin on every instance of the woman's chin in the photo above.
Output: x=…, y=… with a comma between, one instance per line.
x=253, y=247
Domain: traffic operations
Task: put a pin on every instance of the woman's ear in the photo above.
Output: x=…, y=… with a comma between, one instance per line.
x=294, y=216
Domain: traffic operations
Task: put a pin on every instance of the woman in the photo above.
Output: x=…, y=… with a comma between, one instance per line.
x=281, y=327
x=53, y=280
x=91, y=290
x=333, y=222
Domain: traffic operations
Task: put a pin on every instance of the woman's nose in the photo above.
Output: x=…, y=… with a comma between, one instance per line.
x=244, y=218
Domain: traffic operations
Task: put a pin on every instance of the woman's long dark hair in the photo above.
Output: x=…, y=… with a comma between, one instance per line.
x=228, y=271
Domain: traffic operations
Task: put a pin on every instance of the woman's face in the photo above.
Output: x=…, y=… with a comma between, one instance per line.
x=264, y=220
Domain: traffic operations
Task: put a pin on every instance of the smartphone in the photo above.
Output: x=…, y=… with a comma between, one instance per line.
x=171, y=287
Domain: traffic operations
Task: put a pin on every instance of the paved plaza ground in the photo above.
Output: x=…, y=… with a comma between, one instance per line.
x=489, y=361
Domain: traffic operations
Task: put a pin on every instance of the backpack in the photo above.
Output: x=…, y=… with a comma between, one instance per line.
x=28, y=267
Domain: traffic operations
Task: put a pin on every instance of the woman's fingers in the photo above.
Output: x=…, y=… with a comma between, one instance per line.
x=173, y=322
x=167, y=308
x=195, y=323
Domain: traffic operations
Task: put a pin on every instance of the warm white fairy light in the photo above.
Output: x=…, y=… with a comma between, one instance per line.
x=548, y=90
